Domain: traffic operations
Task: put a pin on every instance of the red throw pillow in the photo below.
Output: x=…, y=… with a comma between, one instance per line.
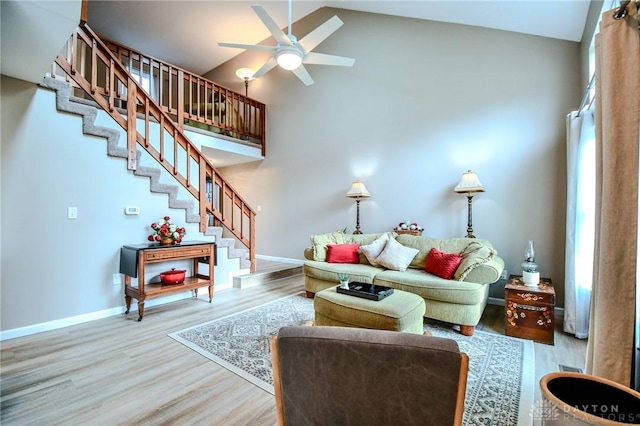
x=442, y=264
x=342, y=253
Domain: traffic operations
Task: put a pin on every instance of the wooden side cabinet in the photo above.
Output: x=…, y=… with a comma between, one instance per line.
x=529, y=310
x=135, y=257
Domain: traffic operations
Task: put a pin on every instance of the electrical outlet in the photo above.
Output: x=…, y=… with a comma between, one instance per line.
x=117, y=279
x=72, y=212
x=504, y=275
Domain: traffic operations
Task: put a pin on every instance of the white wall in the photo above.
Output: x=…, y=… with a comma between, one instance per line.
x=424, y=102
x=52, y=267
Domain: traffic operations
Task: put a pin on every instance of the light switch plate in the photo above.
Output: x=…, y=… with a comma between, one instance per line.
x=132, y=210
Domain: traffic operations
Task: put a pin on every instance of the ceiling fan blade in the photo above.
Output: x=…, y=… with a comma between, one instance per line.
x=323, y=59
x=248, y=46
x=274, y=29
x=317, y=36
x=265, y=68
x=302, y=73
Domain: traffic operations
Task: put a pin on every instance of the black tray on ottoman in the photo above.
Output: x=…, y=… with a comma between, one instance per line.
x=366, y=291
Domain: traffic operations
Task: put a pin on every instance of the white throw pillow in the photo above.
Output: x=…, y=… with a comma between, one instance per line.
x=373, y=250
x=396, y=256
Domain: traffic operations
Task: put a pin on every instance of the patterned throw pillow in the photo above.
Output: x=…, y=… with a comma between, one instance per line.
x=442, y=264
x=342, y=253
x=474, y=255
x=396, y=256
x=373, y=250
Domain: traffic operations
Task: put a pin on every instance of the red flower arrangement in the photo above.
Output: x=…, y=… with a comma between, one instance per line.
x=165, y=230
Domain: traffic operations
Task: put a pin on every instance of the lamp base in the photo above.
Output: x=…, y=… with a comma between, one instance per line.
x=531, y=279
x=469, y=216
x=357, y=231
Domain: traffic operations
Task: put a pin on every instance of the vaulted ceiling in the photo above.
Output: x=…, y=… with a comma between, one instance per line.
x=186, y=33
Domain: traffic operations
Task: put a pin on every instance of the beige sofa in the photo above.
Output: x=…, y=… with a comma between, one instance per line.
x=459, y=300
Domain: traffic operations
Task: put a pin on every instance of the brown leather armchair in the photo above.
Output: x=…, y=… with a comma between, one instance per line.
x=352, y=376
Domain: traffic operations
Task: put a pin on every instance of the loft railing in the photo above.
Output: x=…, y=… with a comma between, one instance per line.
x=192, y=100
x=93, y=67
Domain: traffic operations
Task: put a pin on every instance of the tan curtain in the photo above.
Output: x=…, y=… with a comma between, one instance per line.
x=611, y=327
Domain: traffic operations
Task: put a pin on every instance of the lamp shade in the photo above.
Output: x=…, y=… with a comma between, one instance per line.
x=358, y=190
x=289, y=58
x=243, y=73
x=469, y=183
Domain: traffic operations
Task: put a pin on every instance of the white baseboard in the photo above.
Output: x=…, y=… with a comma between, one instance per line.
x=56, y=324
x=105, y=313
x=495, y=301
x=91, y=316
x=280, y=259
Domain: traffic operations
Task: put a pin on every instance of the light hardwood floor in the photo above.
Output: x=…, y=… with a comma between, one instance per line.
x=120, y=371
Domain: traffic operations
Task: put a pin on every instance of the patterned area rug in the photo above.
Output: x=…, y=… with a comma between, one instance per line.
x=500, y=382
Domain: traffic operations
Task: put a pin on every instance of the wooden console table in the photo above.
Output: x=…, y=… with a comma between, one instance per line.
x=135, y=257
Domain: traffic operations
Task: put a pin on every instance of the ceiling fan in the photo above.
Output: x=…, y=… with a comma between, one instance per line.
x=290, y=53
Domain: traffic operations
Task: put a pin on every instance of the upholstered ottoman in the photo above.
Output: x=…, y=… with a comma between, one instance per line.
x=401, y=311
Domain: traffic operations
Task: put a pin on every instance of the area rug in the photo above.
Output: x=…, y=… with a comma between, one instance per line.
x=500, y=383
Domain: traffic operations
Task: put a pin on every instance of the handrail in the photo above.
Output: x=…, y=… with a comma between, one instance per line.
x=94, y=68
x=194, y=100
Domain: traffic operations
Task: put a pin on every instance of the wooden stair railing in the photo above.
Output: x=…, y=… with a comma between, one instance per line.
x=93, y=67
x=192, y=99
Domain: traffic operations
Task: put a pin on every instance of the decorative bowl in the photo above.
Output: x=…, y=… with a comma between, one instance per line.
x=408, y=231
x=174, y=276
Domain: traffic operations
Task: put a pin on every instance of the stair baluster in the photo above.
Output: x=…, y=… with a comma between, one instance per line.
x=90, y=64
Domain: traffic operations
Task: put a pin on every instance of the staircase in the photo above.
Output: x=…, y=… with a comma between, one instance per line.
x=65, y=103
x=216, y=206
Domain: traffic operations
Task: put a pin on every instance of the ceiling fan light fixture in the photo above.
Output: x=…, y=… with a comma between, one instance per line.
x=289, y=58
x=290, y=54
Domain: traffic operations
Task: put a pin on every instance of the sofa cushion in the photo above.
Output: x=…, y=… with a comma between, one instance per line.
x=431, y=287
x=373, y=250
x=442, y=264
x=364, y=239
x=396, y=256
x=474, y=255
x=319, y=243
x=342, y=253
x=425, y=244
x=329, y=271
